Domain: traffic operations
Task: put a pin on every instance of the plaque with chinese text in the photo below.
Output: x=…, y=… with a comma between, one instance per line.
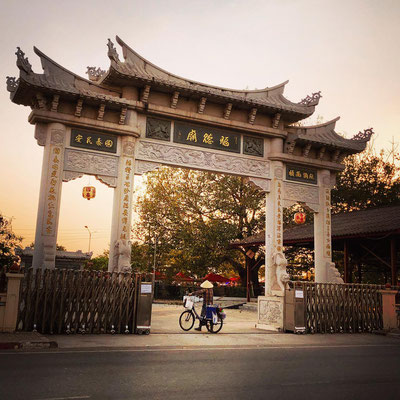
x=300, y=174
x=207, y=137
x=93, y=141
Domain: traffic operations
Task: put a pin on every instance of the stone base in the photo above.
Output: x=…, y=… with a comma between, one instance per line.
x=270, y=313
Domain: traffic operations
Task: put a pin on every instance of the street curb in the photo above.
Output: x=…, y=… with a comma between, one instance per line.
x=28, y=345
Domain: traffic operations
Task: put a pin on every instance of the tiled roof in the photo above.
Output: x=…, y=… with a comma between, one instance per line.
x=325, y=135
x=356, y=223
x=137, y=67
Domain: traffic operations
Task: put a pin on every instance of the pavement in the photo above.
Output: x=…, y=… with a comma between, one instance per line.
x=238, y=331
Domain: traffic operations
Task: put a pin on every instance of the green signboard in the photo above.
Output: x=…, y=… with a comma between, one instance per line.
x=208, y=137
x=301, y=174
x=93, y=141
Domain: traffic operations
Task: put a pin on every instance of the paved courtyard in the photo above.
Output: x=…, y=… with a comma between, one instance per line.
x=165, y=319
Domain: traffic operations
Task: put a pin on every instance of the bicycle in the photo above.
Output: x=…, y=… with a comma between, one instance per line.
x=213, y=322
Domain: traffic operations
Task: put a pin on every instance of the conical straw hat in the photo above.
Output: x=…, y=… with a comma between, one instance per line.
x=207, y=285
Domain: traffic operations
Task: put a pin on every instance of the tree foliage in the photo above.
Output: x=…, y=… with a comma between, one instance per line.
x=8, y=242
x=191, y=217
x=368, y=180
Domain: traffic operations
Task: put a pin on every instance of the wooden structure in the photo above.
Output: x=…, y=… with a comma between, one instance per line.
x=369, y=240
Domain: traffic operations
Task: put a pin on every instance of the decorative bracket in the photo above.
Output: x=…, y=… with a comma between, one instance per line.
x=290, y=143
x=78, y=108
x=145, y=94
x=122, y=115
x=321, y=152
x=174, y=100
x=252, y=115
x=100, y=115
x=306, y=149
x=228, y=109
x=335, y=156
x=275, y=121
x=54, y=103
x=202, y=105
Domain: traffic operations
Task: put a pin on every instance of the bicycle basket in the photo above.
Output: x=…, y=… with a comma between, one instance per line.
x=187, y=303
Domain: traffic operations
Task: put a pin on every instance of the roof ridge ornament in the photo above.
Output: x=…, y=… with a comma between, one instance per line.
x=94, y=73
x=363, y=136
x=12, y=83
x=22, y=61
x=112, y=51
x=312, y=100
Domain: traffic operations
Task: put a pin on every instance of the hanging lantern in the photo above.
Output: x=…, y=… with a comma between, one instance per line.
x=299, y=218
x=89, y=192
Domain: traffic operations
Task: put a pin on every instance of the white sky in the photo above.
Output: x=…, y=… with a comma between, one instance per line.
x=348, y=49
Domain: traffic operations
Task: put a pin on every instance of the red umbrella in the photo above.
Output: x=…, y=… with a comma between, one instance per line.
x=182, y=277
x=160, y=275
x=215, y=278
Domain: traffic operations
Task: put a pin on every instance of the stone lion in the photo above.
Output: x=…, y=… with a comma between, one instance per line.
x=122, y=256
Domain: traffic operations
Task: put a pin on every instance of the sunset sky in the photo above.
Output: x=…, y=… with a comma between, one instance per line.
x=347, y=49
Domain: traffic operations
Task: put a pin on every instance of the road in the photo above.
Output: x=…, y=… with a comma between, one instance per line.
x=276, y=372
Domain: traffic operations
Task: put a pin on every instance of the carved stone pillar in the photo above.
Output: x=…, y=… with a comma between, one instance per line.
x=52, y=137
x=322, y=230
x=273, y=228
x=270, y=306
x=120, y=245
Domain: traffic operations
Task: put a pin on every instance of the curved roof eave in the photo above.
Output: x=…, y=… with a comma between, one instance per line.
x=132, y=56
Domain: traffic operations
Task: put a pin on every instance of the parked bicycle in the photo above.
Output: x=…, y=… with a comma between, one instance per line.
x=214, y=318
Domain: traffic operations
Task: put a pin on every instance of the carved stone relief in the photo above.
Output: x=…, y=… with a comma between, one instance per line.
x=128, y=148
x=141, y=167
x=253, y=146
x=270, y=312
x=278, y=172
x=107, y=180
x=69, y=176
x=200, y=159
x=158, y=129
x=90, y=163
x=300, y=193
x=259, y=183
x=57, y=136
x=40, y=134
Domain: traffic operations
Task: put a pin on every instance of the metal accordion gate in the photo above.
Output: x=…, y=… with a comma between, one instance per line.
x=57, y=301
x=339, y=308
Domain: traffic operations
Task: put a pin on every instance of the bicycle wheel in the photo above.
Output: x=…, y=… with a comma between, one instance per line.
x=214, y=328
x=186, y=320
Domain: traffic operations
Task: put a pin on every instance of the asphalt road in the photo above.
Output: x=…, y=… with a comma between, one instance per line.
x=286, y=372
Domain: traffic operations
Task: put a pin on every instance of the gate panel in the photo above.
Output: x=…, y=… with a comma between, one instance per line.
x=67, y=301
x=333, y=308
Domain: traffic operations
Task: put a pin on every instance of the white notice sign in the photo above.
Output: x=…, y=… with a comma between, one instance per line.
x=299, y=294
x=145, y=288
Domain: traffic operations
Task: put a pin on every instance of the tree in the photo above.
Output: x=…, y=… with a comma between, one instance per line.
x=59, y=247
x=368, y=180
x=193, y=216
x=8, y=242
x=99, y=263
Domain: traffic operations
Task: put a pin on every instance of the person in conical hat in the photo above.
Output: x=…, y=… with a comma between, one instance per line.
x=208, y=294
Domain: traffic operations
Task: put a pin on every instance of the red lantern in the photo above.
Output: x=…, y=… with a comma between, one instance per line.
x=89, y=192
x=299, y=218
